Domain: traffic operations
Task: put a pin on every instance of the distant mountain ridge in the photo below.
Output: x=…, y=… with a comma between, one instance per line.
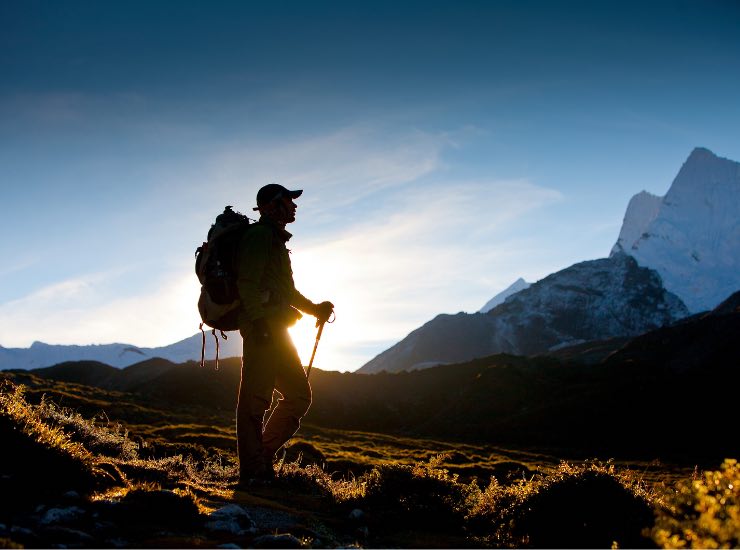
x=592, y=300
x=117, y=355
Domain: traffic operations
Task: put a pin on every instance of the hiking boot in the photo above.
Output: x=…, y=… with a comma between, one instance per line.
x=260, y=477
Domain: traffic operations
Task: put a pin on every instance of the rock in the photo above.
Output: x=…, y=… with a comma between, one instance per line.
x=70, y=538
x=285, y=540
x=226, y=526
x=231, y=518
x=231, y=511
x=161, y=509
x=25, y=537
x=57, y=515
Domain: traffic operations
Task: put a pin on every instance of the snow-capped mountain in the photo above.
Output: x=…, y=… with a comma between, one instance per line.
x=691, y=237
x=675, y=255
x=591, y=300
x=641, y=211
x=117, y=355
x=516, y=286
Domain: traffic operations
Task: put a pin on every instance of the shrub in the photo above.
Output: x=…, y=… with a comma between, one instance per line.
x=702, y=513
x=148, y=507
x=590, y=506
x=423, y=495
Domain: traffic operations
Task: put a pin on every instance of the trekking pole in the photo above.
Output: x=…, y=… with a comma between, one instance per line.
x=315, y=346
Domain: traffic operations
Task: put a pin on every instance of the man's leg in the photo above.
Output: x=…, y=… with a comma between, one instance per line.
x=255, y=393
x=291, y=382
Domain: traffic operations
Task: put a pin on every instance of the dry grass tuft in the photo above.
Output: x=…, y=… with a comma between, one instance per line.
x=39, y=459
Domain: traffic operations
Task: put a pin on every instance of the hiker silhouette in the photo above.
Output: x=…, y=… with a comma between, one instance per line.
x=269, y=306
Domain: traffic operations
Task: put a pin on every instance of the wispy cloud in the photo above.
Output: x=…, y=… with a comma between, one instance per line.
x=85, y=310
x=339, y=168
x=397, y=269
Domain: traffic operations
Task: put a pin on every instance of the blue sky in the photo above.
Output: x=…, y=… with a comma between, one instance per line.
x=445, y=149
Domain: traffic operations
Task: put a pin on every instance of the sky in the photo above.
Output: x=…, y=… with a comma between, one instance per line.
x=445, y=149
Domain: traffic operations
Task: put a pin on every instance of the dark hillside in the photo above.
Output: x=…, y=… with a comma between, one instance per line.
x=90, y=373
x=588, y=353
x=640, y=401
x=140, y=374
x=708, y=342
x=191, y=384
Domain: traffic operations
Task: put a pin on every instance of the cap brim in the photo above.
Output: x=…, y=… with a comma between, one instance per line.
x=295, y=194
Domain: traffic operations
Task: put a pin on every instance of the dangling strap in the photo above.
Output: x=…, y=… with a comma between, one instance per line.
x=217, y=345
x=223, y=335
x=203, y=347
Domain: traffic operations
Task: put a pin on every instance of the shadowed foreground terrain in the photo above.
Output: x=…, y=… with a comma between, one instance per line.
x=73, y=481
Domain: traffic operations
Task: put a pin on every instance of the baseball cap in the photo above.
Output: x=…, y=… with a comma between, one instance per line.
x=272, y=191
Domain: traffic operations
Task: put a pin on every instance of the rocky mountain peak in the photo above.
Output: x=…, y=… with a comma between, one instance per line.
x=691, y=237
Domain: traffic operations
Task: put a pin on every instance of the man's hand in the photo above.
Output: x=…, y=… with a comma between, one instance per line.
x=323, y=312
x=261, y=331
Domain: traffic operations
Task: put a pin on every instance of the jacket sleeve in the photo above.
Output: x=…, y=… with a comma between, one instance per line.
x=254, y=251
x=299, y=301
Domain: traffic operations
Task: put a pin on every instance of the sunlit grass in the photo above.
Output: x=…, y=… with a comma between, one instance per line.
x=703, y=512
x=411, y=491
x=30, y=420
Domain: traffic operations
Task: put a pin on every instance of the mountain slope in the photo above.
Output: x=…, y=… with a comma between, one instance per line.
x=592, y=300
x=693, y=238
x=516, y=286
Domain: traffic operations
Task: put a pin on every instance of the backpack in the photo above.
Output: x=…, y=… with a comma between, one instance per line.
x=216, y=268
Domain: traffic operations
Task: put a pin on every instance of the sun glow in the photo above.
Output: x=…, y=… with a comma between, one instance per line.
x=303, y=334
x=318, y=275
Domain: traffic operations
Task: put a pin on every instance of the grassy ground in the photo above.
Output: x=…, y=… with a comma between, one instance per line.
x=166, y=470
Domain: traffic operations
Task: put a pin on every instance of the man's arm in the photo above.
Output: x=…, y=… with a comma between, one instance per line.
x=321, y=311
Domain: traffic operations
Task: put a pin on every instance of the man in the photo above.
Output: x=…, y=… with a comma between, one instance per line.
x=269, y=300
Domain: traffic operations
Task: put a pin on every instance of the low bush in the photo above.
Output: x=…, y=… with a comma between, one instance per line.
x=703, y=512
x=589, y=506
x=423, y=495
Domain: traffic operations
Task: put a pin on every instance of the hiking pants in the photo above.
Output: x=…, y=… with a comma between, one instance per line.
x=267, y=366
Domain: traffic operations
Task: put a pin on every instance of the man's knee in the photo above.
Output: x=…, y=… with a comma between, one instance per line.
x=258, y=405
x=300, y=404
x=251, y=406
